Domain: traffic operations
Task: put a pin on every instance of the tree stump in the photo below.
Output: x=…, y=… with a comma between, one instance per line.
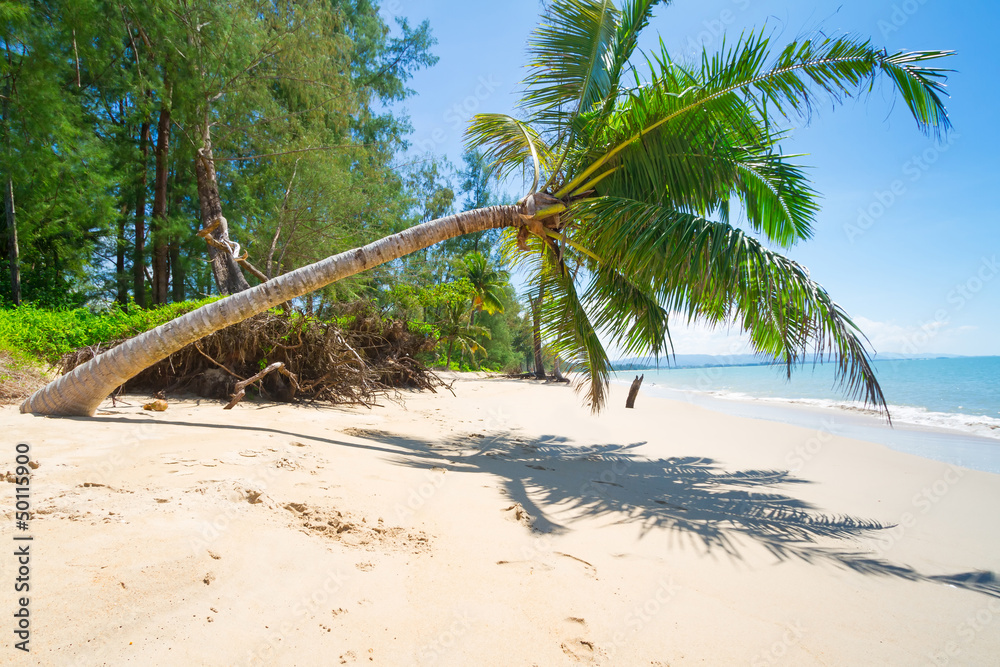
x=634, y=391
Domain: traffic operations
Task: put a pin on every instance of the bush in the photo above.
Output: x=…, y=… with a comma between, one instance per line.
x=49, y=334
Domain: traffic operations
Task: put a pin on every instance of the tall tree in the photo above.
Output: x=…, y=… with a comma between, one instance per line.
x=626, y=181
x=13, y=58
x=159, y=223
x=139, y=248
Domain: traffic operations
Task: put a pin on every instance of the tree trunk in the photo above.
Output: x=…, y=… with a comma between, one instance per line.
x=121, y=279
x=159, y=222
x=536, y=333
x=228, y=276
x=176, y=273
x=557, y=373
x=82, y=390
x=138, y=255
x=13, y=252
x=633, y=391
x=12, y=249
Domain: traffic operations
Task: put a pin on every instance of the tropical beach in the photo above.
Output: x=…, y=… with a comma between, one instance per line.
x=501, y=525
x=517, y=334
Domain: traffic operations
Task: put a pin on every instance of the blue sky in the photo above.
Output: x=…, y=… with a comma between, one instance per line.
x=907, y=240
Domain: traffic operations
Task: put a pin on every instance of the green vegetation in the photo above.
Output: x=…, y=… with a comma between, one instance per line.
x=128, y=128
x=47, y=334
x=141, y=139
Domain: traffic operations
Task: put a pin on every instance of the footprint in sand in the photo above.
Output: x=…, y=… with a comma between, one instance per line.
x=516, y=512
x=580, y=650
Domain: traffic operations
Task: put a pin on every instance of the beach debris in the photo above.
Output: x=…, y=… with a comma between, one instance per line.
x=209, y=578
x=633, y=391
x=241, y=386
x=238, y=490
x=286, y=463
x=158, y=405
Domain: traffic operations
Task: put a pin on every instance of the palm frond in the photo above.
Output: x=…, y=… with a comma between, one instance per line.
x=635, y=17
x=705, y=161
x=508, y=145
x=570, y=334
x=628, y=314
x=744, y=76
x=568, y=71
x=710, y=270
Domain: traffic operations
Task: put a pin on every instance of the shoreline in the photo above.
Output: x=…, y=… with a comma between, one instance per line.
x=932, y=441
x=503, y=525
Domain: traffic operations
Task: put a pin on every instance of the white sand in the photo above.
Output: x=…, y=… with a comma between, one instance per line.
x=504, y=526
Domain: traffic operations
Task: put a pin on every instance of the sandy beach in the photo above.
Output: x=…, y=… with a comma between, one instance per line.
x=502, y=525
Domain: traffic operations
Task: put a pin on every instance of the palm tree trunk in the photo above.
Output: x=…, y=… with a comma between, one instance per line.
x=536, y=333
x=80, y=391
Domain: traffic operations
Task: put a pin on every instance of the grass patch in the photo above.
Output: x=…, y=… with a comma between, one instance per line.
x=20, y=375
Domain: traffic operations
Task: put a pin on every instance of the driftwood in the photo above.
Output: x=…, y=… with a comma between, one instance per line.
x=241, y=387
x=633, y=391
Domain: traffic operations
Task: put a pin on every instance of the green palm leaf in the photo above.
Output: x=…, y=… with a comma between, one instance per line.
x=712, y=271
x=570, y=333
x=732, y=81
x=508, y=145
x=566, y=52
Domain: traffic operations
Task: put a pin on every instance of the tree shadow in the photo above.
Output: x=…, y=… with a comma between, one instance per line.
x=693, y=498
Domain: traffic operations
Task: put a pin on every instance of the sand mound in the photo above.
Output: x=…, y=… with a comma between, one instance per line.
x=352, y=531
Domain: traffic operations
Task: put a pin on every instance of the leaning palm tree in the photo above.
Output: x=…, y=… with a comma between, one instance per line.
x=627, y=219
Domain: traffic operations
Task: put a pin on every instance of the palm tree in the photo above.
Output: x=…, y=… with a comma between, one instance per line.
x=628, y=215
x=487, y=282
x=461, y=333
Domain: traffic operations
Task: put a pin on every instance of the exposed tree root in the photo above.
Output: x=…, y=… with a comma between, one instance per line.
x=317, y=361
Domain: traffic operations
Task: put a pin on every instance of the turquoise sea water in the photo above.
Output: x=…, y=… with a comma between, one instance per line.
x=939, y=406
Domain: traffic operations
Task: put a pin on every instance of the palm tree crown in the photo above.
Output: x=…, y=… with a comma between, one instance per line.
x=628, y=216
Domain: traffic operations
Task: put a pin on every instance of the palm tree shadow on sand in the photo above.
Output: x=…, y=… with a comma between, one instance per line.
x=694, y=498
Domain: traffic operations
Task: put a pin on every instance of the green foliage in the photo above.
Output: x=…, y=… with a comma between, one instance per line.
x=639, y=169
x=299, y=95
x=49, y=334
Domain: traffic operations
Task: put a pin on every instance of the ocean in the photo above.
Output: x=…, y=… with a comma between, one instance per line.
x=946, y=409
